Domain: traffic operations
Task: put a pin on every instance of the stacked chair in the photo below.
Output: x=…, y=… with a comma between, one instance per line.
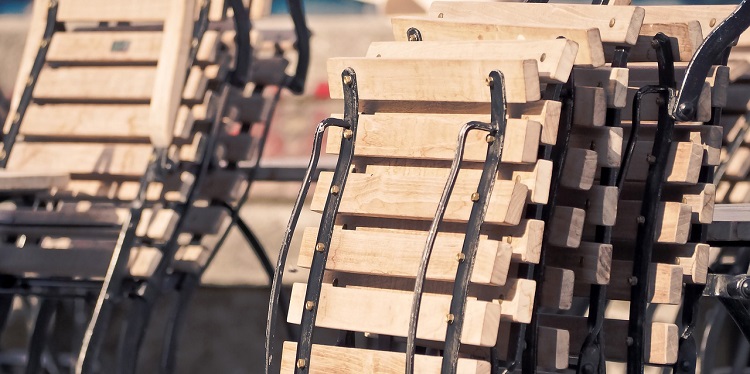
x=600, y=128
x=123, y=166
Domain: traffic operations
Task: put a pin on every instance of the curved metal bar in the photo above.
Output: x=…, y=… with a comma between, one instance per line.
x=325, y=231
x=179, y=313
x=39, y=336
x=644, y=244
x=238, y=77
x=9, y=139
x=496, y=140
x=272, y=321
x=714, y=45
x=132, y=335
x=296, y=83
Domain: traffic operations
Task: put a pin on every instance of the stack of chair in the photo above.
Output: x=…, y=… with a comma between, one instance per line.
x=585, y=220
x=118, y=160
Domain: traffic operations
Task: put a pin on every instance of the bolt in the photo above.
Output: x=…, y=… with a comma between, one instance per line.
x=412, y=37
x=686, y=111
x=52, y=3
x=640, y=219
x=629, y=341
x=348, y=80
x=542, y=57
x=301, y=363
x=44, y=43
x=489, y=81
x=712, y=23
x=460, y=257
x=612, y=22
x=475, y=197
x=489, y=139
x=309, y=305
x=655, y=44
x=588, y=369
x=650, y=159
x=320, y=247
x=194, y=43
x=335, y=190
x=509, y=239
x=348, y=134
x=632, y=281
x=449, y=318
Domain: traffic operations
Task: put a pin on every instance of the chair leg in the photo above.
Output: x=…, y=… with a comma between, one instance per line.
x=176, y=323
x=132, y=336
x=39, y=336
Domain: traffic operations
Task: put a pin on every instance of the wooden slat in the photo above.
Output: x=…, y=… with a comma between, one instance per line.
x=607, y=142
x=599, y=202
x=129, y=84
x=683, y=165
x=701, y=198
x=20, y=180
x=362, y=252
x=557, y=289
x=460, y=80
x=554, y=57
x=80, y=158
x=709, y=16
x=417, y=198
x=382, y=312
x=546, y=112
x=646, y=73
x=617, y=25
x=590, y=52
x=660, y=345
x=114, y=10
x=665, y=286
x=170, y=71
x=692, y=257
x=330, y=359
x=591, y=262
x=567, y=226
x=54, y=262
x=433, y=136
x=579, y=169
x=100, y=47
x=672, y=226
x=650, y=111
x=590, y=108
x=613, y=80
x=686, y=37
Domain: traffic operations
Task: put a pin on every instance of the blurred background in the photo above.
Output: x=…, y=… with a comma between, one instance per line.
x=226, y=322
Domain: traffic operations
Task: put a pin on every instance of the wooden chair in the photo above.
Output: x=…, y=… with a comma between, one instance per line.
x=586, y=258
x=112, y=157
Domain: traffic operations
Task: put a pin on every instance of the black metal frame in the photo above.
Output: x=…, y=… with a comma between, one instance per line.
x=312, y=296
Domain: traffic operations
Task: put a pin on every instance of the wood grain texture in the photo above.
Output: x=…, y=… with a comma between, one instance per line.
x=106, y=83
x=579, y=169
x=21, y=180
x=567, y=226
x=113, y=10
x=460, y=80
x=590, y=108
x=557, y=289
x=81, y=158
x=105, y=47
x=591, y=262
x=607, y=142
x=613, y=80
x=665, y=286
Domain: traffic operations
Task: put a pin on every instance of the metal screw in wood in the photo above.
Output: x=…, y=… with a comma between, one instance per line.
x=335, y=190
x=347, y=80
x=320, y=247
x=309, y=305
x=475, y=197
x=348, y=134
x=449, y=318
x=301, y=363
x=460, y=257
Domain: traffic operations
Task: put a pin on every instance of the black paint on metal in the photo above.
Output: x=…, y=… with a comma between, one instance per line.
x=238, y=77
x=296, y=83
x=413, y=34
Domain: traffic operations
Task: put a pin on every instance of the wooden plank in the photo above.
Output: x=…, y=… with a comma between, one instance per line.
x=591, y=262
x=599, y=202
x=557, y=288
x=672, y=226
x=590, y=108
x=607, y=142
x=516, y=299
x=191, y=258
x=554, y=57
x=660, y=345
x=554, y=348
x=460, y=80
x=114, y=10
x=417, y=198
x=617, y=25
x=567, y=227
x=330, y=359
x=81, y=158
x=433, y=136
x=683, y=165
x=613, y=80
x=381, y=312
x=692, y=257
x=170, y=71
x=686, y=37
x=100, y=47
x=590, y=52
x=525, y=240
x=737, y=98
x=84, y=263
x=361, y=252
x=579, y=169
x=707, y=137
x=665, y=285
x=701, y=198
x=546, y=112
x=103, y=83
x=646, y=73
x=21, y=180
x=650, y=111
x=732, y=212
x=709, y=16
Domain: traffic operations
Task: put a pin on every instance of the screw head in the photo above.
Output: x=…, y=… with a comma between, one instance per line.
x=712, y=23
x=309, y=305
x=632, y=281
x=509, y=239
x=301, y=363
x=449, y=318
x=629, y=341
x=460, y=257
x=686, y=111
x=640, y=219
x=441, y=15
x=650, y=159
x=475, y=197
x=347, y=80
x=412, y=38
x=612, y=22
x=489, y=81
x=348, y=134
x=320, y=247
x=490, y=139
x=335, y=190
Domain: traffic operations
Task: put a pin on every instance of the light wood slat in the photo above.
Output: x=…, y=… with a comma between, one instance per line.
x=96, y=216
x=692, y=257
x=97, y=121
x=683, y=165
x=81, y=158
x=382, y=312
x=709, y=16
x=701, y=198
x=729, y=231
x=707, y=137
x=591, y=262
x=516, y=299
x=672, y=221
x=105, y=47
x=417, y=198
x=554, y=57
x=362, y=252
x=433, y=136
x=650, y=111
x=579, y=169
x=330, y=359
x=732, y=212
x=195, y=86
x=554, y=347
x=174, y=189
x=660, y=345
x=665, y=286
x=114, y=10
x=590, y=50
x=617, y=25
x=546, y=112
x=613, y=80
x=460, y=80
x=130, y=84
x=590, y=107
x=599, y=202
x=525, y=239
x=191, y=258
x=557, y=289
x=644, y=73
x=607, y=142
x=170, y=71
x=20, y=180
x=567, y=226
